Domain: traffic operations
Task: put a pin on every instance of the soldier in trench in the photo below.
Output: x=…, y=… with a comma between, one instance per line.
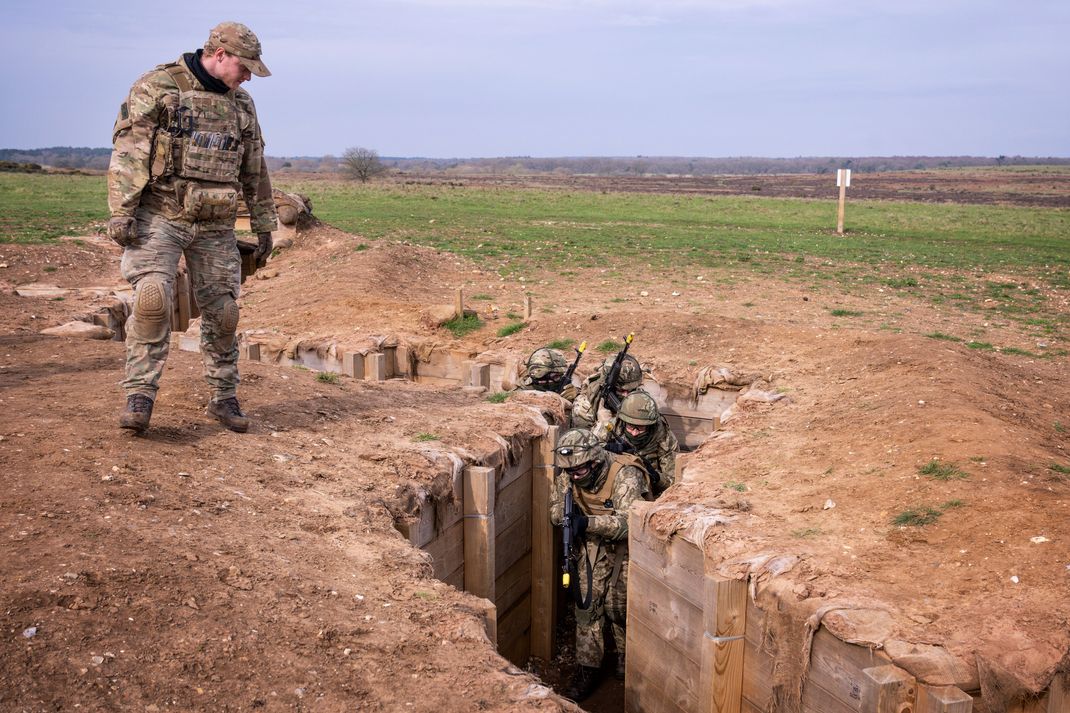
x=187, y=144
x=544, y=370
x=591, y=408
x=604, y=485
x=640, y=429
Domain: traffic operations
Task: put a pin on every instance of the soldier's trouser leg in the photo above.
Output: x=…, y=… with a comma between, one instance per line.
x=150, y=266
x=215, y=267
x=617, y=606
x=590, y=622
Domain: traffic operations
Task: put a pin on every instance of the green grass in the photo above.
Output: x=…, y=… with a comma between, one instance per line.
x=1064, y=470
x=511, y=329
x=938, y=253
x=942, y=471
x=845, y=313
x=327, y=377
x=608, y=346
x=981, y=346
x=425, y=437
x=483, y=297
x=561, y=344
x=942, y=336
x=803, y=533
x=917, y=516
x=733, y=485
x=498, y=397
x=460, y=326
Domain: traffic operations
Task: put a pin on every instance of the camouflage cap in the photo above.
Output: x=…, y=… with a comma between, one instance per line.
x=238, y=40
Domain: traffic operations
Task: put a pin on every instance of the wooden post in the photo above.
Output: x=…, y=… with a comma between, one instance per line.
x=458, y=304
x=479, y=486
x=182, y=298
x=724, y=618
x=527, y=308
x=887, y=689
x=353, y=365
x=943, y=699
x=479, y=374
x=250, y=351
x=843, y=180
x=376, y=366
x=544, y=577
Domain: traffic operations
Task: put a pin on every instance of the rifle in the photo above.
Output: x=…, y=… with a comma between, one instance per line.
x=566, y=379
x=608, y=391
x=568, y=564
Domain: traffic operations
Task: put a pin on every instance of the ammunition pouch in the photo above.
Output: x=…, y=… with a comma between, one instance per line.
x=209, y=204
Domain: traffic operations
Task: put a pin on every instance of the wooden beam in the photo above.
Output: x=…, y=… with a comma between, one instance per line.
x=887, y=689
x=724, y=618
x=479, y=485
x=458, y=304
x=376, y=366
x=943, y=699
x=353, y=365
x=527, y=308
x=1059, y=694
x=543, y=553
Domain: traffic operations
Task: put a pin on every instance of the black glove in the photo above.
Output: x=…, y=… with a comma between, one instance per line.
x=122, y=229
x=580, y=521
x=614, y=446
x=263, y=249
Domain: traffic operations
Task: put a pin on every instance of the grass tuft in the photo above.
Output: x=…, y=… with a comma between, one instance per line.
x=944, y=337
x=608, y=346
x=942, y=471
x=460, y=326
x=511, y=329
x=735, y=486
x=327, y=377
x=499, y=397
x=561, y=344
x=1060, y=468
x=917, y=517
x=426, y=437
x=846, y=313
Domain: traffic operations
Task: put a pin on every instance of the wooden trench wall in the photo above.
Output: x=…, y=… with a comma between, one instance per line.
x=695, y=645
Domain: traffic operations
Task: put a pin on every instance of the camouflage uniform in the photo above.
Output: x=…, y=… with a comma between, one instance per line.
x=589, y=410
x=546, y=362
x=620, y=482
x=183, y=154
x=659, y=451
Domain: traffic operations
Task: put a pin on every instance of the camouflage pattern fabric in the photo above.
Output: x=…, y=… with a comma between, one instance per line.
x=607, y=541
x=659, y=451
x=568, y=393
x=183, y=154
x=215, y=271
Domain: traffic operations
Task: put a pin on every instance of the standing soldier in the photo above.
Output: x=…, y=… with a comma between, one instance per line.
x=587, y=410
x=604, y=486
x=640, y=429
x=187, y=147
x=544, y=370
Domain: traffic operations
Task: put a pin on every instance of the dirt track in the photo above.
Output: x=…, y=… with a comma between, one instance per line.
x=200, y=569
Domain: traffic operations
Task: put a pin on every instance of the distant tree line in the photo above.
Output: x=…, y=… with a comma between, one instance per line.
x=68, y=157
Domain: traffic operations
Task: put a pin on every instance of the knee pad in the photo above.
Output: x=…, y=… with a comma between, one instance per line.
x=152, y=311
x=228, y=323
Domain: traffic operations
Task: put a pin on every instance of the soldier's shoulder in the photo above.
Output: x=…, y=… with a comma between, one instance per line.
x=155, y=81
x=245, y=100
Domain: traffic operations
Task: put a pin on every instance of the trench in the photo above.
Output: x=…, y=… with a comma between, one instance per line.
x=491, y=536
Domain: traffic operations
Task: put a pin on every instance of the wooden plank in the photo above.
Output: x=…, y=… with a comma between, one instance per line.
x=887, y=689
x=390, y=359
x=943, y=699
x=512, y=543
x=513, y=500
x=758, y=685
x=724, y=621
x=479, y=540
x=455, y=579
x=182, y=299
x=514, y=625
x=837, y=666
x=678, y=563
x=522, y=468
x=514, y=584
x=675, y=620
x=544, y=548
x=689, y=431
x=657, y=678
x=375, y=366
x=447, y=550
x=353, y=365
x=1059, y=694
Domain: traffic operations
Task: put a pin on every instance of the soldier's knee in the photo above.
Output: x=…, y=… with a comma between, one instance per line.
x=228, y=322
x=152, y=311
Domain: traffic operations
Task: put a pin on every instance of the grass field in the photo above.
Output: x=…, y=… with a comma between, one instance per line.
x=961, y=255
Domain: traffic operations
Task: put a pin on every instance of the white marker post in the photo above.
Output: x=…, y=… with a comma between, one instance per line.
x=843, y=180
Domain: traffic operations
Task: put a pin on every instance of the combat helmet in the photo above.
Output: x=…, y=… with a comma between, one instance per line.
x=639, y=409
x=631, y=374
x=545, y=367
x=580, y=454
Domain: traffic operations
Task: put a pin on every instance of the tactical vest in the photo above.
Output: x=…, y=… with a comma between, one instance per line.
x=199, y=140
x=596, y=503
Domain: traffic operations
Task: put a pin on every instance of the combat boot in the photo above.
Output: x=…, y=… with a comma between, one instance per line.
x=583, y=684
x=229, y=413
x=137, y=413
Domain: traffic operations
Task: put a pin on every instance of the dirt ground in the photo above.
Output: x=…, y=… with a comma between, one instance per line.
x=197, y=569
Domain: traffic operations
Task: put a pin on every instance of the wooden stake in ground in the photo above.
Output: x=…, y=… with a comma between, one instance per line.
x=843, y=180
x=458, y=304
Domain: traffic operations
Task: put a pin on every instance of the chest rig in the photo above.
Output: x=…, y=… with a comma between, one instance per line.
x=600, y=502
x=198, y=146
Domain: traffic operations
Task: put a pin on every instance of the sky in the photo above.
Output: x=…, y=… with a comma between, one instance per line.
x=468, y=78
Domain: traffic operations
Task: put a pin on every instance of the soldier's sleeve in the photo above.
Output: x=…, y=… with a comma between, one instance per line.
x=583, y=415
x=569, y=393
x=132, y=137
x=255, y=181
x=629, y=487
x=667, y=451
x=557, y=498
